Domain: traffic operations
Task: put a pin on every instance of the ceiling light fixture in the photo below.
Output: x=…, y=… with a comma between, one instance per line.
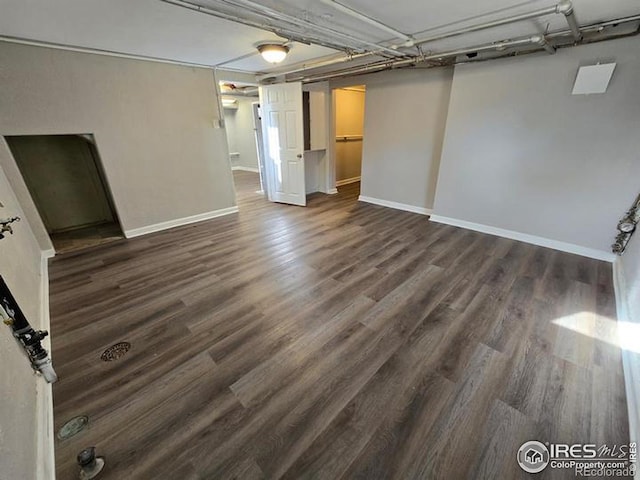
x=273, y=52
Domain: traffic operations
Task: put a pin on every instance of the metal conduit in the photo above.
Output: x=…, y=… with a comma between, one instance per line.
x=498, y=46
x=283, y=32
x=275, y=14
x=494, y=23
x=595, y=26
x=371, y=21
x=564, y=7
x=533, y=40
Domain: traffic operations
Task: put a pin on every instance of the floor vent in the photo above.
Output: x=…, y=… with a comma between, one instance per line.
x=114, y=352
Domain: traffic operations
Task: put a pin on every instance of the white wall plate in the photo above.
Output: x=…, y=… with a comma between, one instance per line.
x=593, y=79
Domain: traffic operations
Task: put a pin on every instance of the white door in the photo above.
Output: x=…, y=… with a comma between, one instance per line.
x=281, y=107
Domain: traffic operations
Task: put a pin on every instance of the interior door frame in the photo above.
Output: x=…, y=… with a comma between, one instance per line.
x=331, y=165
x=257, y=128
x=328, y=181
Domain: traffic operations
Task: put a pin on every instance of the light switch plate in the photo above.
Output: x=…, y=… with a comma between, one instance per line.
x=593, y=79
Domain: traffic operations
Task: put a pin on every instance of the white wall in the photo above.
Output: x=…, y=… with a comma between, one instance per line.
x=349, y=113
x=522, y=154
x=154, y=124
x=405, y=116
x=627, y=273
x=20, y=413
x=240, y=133
x=164, y=159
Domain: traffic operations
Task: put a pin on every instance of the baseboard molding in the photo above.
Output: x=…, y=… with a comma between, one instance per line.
x=136, y=232
x=525, y=237
x=245, y=169
x=396, y=205
x=628, y=331
x=332, y=191
x=45, y=457
x=347, y=181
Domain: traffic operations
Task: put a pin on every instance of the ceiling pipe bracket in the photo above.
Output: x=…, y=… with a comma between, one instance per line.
x=566, y=8
x=542, y=41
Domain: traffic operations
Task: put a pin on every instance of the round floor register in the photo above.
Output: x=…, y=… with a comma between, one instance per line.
x=114, y=352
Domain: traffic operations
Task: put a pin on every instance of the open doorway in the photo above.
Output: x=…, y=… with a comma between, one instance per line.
x=244, y=137
x=64, y=176
x=349, y=125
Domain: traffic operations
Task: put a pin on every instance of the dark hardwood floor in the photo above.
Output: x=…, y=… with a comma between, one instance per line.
x=341, y=340
x=74, y=240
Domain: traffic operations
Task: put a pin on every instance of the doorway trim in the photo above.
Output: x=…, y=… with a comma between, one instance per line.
x=345, y=84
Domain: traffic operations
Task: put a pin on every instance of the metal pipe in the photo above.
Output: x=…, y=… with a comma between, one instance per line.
x=550, y=49
x=503, y=45
x=473, y=28
x=282, y=32
x=277, y=15
x=595, y=26
x=28, y=338
x=318, y=64
x=371, y=21
x=95, y=51
x=491, y=24
x=566, y=8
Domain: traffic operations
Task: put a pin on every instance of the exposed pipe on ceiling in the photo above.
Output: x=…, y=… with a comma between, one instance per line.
x=316, y=64
x=566, y=8
x=561, y=7
x=271, y=13
x=97, y=51
x=280, y=31
x=537, y=40
x=245, y=92
x=491, y=24
x=540, y=40
x=596, y=26
x=371, y=21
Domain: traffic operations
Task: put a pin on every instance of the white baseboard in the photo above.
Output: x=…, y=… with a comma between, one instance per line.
x=246, y=169
x=45, y=458
x=628, y=331
x=332, y=191
x=136, y=232
x=525, y=237
x=396, y=205
x=347, y=181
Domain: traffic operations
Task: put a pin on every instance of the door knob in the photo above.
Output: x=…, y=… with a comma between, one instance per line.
x=299, y=155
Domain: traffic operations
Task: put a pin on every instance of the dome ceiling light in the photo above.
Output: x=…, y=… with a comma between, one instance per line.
x=273, y=52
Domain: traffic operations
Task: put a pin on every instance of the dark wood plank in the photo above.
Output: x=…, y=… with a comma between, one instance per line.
x=340, y=340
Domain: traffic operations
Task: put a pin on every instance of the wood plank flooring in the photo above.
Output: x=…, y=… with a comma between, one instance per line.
x=341, y=340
